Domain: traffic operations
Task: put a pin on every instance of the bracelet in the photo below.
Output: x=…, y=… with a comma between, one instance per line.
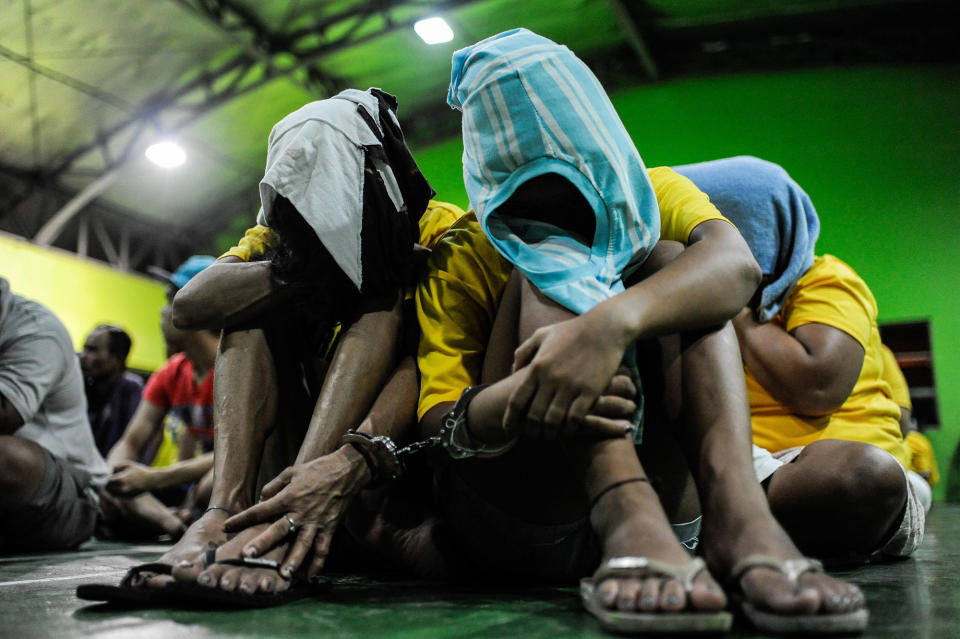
x=379, y=452
x=455, y=433
x=616, y=484
x=226, y=510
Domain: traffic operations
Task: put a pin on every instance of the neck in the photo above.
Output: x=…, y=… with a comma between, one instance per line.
x=102, y=387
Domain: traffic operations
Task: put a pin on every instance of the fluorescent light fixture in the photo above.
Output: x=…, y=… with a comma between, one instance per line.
x=434, y=30
x=166, y=154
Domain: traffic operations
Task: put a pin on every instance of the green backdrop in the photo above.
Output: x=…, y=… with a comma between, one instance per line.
x=876, y=149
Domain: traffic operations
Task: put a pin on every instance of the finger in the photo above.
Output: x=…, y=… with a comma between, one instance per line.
x=516, y=412
x=298, y=550
x=537, y=409
x=273, y=535
x=579, y=409
x=622, y=386
x=525, y=352
x=604, y=427
x=556, y=414
x=613, y=407
x=276, y=484
x=321, y=546
x=256, y=514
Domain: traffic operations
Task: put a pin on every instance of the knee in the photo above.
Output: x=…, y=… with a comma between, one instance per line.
x=20, y=460
x=867, y=475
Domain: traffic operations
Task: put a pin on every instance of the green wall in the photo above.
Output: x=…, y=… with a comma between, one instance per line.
x=878, y=151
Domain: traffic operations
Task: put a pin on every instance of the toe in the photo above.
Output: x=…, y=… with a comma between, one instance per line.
x=249, y=582
x=649, y=595
x=706, y=594
x=672, y=597
x=771, y=590
x=230, y=579
x=607, y=592
x=627, y=596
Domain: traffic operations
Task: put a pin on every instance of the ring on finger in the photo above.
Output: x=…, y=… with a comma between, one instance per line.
x=294, y=526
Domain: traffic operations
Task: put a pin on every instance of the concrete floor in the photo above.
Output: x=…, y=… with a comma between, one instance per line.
x=918, y=598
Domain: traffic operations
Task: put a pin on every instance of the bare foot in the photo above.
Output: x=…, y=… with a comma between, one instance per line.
x=205, y=533
x=730, y=537
x=238, y=578
x=630, y=523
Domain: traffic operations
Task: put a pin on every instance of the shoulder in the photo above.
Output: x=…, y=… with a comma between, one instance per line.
x=829, y=272
x=437, y=220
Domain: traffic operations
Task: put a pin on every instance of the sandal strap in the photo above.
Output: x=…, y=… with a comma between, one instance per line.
x=644, y=567
x=792, y=569
x=155, y=567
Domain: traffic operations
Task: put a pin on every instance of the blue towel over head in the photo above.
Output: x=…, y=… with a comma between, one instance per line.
x=772, y=212
x=531, y=107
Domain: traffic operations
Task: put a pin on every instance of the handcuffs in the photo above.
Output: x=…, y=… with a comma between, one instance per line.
x=386, y=460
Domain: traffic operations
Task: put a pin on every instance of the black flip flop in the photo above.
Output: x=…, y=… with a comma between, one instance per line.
x=126, y=593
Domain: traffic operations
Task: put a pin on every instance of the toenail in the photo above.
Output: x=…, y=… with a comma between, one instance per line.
x=205, y=580
x=286, y=571
x=648, y=602
x=185, y=564
x=673, y=600
x=225, y=583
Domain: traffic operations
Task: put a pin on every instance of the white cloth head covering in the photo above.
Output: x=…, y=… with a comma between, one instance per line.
x=316, y=158
x=531, y=107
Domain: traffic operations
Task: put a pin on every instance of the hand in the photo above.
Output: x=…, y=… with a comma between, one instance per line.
x=564, y=368
x=314, y=495
x=129, y=479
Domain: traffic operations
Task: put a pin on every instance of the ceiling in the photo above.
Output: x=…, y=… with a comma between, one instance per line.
x=86, y=85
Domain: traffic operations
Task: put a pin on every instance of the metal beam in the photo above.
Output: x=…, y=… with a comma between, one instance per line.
x=51, y=229
x=634, y=39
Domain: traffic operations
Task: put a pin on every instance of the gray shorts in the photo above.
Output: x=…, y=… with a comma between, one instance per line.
x=62, y=514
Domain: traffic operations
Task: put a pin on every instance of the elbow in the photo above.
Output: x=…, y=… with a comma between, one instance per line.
x=188, y=312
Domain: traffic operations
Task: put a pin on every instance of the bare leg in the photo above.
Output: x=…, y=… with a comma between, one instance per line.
x=737, y=521
x=245, y=405
x=839, y=497
x=21, y=471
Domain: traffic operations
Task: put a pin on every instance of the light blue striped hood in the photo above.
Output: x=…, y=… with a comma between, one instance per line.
x=531, y=107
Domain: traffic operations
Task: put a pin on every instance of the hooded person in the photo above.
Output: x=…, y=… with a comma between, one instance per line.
x=815, y=375
x=311, y=306
x=561, y=257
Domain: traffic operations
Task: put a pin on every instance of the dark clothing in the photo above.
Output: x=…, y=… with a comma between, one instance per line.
x=60, y=516
x=110, y=419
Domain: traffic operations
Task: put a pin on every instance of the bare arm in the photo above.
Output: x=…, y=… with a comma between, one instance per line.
x=132, y=478
x=810, y=370
x=146, y=422
x=569, y=363
x=225, y=294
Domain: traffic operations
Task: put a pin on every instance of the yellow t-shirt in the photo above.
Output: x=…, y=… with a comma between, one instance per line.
x=458, y=298
x=899, y=390
x=832, y=293
x=922, y=460
x=260, y=240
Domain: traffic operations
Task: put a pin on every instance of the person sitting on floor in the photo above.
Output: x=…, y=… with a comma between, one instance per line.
x=313, y=344
x=922, y=469
x=137, y=495
x=560, y=259
x=113, y=393
x=828, y=443
x=50, y=468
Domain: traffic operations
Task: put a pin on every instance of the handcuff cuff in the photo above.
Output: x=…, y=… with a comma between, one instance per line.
x=386, y=460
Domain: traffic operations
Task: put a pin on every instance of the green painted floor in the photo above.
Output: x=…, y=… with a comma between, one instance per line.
x=916, y=598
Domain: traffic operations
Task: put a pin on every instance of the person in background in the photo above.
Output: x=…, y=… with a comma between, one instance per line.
x=50, y=468
x=183, y=386
x=113, y=393
x=828, y=448
x=922, y=468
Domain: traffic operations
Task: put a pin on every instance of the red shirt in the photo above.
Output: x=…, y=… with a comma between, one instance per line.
x=173, y=389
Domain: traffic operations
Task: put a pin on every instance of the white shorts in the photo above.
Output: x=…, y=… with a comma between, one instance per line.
x=909, y=534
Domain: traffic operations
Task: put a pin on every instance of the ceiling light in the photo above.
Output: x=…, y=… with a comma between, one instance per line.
x=434, y=30
x=166, y=154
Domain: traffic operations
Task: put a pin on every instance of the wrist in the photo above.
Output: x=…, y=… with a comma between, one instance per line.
x=357, y=464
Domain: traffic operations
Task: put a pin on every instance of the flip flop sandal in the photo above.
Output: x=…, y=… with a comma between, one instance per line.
x=638, y=622
x=192, y=595
x=128, y=594
x=769, y=621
